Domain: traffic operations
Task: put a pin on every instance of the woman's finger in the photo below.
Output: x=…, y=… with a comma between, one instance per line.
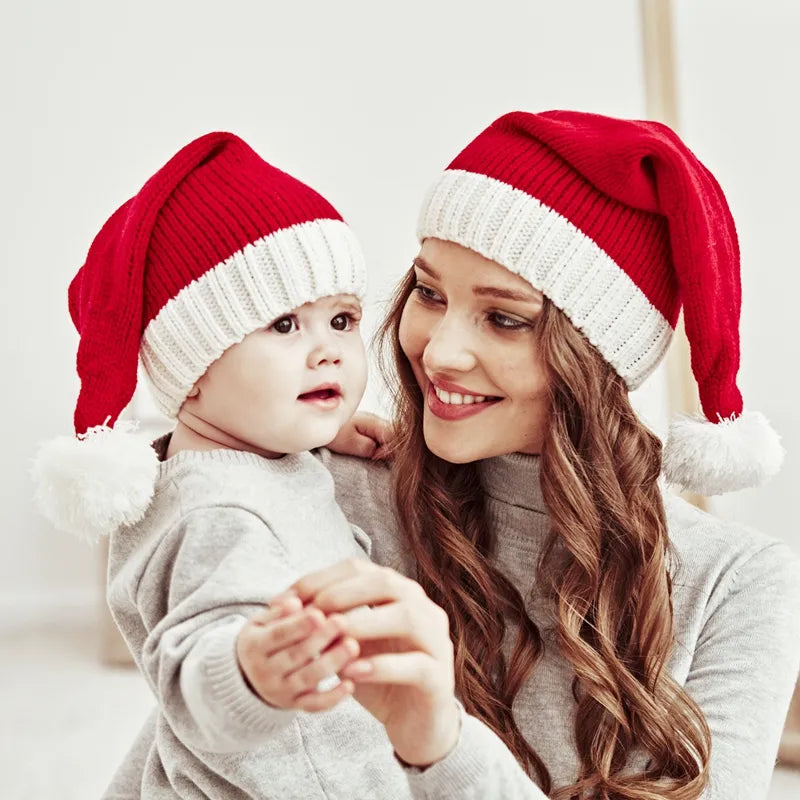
x=309, y=585
x=375, y=427
x=369, y=587
x=406, y=669
x=423, y=626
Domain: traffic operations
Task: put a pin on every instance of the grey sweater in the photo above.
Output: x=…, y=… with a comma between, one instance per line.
x=737, y=618
x=225, y=532
x=737, y=623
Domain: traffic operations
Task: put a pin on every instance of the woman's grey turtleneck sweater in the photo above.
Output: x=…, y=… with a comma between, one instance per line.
x=736, y=599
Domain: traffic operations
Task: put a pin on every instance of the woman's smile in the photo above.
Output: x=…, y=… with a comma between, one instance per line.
x=449, y=401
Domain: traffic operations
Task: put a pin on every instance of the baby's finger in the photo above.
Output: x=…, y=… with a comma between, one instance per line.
x=283, y=633
x=290, y=659
x=286, y=605
x=329, y=663
x=322, y=701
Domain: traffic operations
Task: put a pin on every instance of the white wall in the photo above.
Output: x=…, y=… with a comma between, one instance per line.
x=739, y=72
x=365, y=102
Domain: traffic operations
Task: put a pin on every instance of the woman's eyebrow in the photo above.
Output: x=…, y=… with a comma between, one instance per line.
x=505, y=294
x=421, y=263
x=482, y=291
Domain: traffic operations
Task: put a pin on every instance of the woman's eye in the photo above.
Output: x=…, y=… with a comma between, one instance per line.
x=506, y=323
x=343, y=322
x=427, y=294
x=284, y=325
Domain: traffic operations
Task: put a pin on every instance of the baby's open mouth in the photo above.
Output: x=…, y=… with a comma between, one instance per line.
x=326, y=393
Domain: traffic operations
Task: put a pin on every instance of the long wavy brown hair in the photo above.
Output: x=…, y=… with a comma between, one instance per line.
x=613, y=601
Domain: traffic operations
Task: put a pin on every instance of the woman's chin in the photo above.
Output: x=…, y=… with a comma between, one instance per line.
x=448, y=448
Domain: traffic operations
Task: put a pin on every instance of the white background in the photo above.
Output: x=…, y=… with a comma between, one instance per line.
x=367, y=102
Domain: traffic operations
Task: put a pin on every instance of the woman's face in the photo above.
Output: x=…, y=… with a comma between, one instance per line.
x=468, y=331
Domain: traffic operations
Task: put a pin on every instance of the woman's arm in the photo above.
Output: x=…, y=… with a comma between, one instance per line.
x=744, y=669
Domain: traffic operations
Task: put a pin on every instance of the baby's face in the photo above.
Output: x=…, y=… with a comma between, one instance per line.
x=292, y=385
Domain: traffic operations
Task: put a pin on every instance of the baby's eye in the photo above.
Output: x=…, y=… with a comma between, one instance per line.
x=343, y=322
x=284, y=325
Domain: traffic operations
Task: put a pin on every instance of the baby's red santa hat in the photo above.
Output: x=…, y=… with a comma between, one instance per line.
x=619, y=224
x=217, y=244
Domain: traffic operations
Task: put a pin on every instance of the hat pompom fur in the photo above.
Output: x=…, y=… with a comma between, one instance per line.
x=713, y=458
x=91, y=484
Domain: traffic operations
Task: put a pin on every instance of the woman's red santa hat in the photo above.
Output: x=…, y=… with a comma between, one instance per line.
x=217, y=244
x=619, y=225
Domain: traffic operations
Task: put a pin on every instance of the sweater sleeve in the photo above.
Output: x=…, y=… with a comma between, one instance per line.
x=207, y=576
x=744, y=669
x=479, y=766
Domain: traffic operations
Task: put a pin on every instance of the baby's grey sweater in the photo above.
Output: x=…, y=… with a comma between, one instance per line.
x=225, y=532
x=736, y=597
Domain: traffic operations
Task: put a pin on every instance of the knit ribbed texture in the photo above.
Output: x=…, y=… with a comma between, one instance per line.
x=217, y=244
x=232, y=199
x=511, y=227
x=225, y=533
x=736, y=601
x=250, y=289
x=636, y=193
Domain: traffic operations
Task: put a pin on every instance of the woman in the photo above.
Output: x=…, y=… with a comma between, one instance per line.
x=608, y=641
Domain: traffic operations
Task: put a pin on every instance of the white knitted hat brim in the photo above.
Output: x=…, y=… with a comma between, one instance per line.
x=530, y=239
x=266, y=279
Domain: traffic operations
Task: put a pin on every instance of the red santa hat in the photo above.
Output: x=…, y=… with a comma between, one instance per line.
x=217, y=244
x=619, y=225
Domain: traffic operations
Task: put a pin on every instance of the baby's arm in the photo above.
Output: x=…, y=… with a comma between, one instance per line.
x=194, y=593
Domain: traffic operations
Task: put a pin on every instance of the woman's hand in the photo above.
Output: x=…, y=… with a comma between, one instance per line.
x=364, y=435
x=404, y=675
x=285, y=651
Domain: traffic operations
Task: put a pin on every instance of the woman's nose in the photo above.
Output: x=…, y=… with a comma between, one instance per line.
x=448, y=348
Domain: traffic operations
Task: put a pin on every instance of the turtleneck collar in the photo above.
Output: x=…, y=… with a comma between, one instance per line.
x=514, y=479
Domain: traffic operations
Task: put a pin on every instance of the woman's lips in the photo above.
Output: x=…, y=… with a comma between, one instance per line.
x=450, y=411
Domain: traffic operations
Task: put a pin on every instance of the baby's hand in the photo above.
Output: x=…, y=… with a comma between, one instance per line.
x=285, y=651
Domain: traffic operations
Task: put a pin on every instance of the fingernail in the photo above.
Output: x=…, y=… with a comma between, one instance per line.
x=359, y=668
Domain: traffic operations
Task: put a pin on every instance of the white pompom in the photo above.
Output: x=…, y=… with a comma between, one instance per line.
x=714, y=458
x=92, y=484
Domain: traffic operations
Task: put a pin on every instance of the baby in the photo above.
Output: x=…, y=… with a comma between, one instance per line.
x=239, y=288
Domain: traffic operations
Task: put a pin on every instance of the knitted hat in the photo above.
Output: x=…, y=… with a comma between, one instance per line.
x=619, y=224
x=217, y=244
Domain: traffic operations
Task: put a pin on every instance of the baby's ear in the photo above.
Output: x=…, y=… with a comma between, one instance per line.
x=193, y=392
